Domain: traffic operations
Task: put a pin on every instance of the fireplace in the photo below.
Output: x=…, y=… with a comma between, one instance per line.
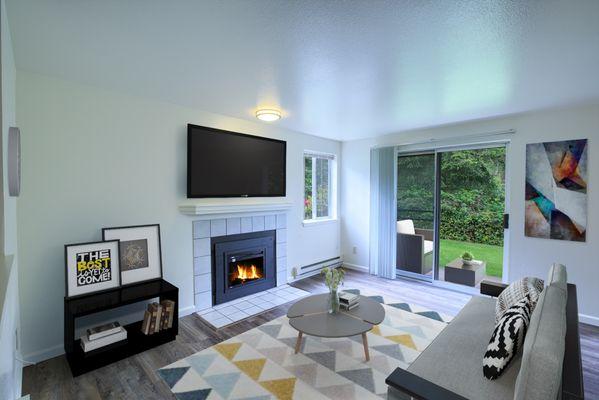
x=242, y=265
x=245, y=268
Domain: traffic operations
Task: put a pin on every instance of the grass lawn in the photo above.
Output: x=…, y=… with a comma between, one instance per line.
x=492, y=255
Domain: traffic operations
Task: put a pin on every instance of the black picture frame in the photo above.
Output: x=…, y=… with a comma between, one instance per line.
x=68, y=295
x=126, y=282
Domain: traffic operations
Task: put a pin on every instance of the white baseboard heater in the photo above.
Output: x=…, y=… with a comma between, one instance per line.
x=314, y=268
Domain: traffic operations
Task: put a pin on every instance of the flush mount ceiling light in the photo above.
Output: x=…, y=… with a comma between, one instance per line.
x=268, y=114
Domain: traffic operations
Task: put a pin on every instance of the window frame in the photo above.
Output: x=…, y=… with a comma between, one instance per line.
x=332, y=186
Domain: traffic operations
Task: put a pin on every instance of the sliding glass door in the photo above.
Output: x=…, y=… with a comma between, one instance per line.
x=416, y=214
x=472, y=206
x=450, y=214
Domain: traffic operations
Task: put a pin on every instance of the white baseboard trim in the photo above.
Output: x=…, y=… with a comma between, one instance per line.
x=304, y=276
x=45, y=354
x=355, y=267
x=588, y=319
x=186, y=311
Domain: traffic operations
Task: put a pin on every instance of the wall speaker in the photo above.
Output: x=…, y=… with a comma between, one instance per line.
x=14, y=161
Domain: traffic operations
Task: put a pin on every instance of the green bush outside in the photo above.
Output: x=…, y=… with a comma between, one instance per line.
x=472, y=194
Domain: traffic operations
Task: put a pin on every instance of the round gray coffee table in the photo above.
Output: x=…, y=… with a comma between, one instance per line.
x=310, y=316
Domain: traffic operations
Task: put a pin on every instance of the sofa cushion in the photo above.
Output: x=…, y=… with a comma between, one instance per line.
x=517, y=291
x=453, y=359
x=558, y=276
x=543, y=352
x=406, y=226
x=507, y=338
x=428, y=246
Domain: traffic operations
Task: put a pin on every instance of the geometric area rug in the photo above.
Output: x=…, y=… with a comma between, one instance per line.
x=260, y=364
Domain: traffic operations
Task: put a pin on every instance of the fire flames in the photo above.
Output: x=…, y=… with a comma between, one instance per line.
x=247, y=272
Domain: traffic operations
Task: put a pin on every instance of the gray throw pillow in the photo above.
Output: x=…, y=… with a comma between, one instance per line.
x=516, y=291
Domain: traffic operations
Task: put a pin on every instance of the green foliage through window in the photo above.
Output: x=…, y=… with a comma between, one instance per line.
x=472, y=194
x=317, y=186
x=307, y=187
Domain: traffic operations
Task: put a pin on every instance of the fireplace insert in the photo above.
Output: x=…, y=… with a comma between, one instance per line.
x=242, y=265
x=245, y=268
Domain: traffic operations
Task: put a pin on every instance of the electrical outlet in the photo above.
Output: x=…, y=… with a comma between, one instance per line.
x=355, y=249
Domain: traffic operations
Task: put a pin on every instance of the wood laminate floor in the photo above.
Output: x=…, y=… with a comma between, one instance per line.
x=136, y=378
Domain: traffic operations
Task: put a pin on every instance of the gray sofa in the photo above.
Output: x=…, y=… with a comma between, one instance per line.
x=548, y=367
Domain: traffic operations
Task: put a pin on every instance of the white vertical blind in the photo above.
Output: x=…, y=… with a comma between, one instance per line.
x=383, y=212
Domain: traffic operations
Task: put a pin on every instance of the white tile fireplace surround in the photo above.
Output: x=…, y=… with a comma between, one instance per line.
x=238, y=309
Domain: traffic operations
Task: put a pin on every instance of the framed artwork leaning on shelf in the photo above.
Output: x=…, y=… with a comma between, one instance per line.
x=140, y=252
x=91, y=267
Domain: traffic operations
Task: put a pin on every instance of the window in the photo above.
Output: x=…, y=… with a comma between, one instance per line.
x=319, y=172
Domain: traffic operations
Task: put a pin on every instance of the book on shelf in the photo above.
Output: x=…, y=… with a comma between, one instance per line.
x=168, y=313
x=103, y=330
x=89, y=345
x=155, y=310
x=145, y=325
x=158, y=317
x=163, y=319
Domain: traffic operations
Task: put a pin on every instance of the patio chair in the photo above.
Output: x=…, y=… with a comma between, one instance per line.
x=412, y=245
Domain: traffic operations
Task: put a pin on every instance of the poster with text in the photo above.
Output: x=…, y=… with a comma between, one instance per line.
x=91, y=267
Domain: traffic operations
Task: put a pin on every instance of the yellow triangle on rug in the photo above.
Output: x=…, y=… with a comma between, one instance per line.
x=228, y=350
x=253, y=368
x=282, y=388
x=406, y=340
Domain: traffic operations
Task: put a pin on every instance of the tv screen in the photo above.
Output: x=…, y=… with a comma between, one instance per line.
x=230, y=164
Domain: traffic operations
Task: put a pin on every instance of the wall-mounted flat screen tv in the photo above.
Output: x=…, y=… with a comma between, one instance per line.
x=230, y=164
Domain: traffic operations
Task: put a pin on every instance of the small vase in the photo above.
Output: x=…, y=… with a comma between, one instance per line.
x=333, y=302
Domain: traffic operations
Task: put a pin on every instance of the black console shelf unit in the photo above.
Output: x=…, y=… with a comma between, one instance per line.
x=136, y=342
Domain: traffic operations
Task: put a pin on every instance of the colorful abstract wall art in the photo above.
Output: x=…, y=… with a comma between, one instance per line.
x=556, y=190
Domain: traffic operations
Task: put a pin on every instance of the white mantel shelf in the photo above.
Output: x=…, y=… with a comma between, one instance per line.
x=238, y=208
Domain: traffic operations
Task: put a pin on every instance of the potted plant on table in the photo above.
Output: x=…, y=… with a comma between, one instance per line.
x=467, y=258
x=333, y=277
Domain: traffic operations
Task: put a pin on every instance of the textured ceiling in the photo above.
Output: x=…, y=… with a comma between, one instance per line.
x=337, y=69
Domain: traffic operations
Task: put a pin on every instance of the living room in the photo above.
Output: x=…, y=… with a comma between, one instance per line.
x=276, y=180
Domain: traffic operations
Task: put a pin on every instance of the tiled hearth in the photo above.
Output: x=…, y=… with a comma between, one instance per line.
x=238, y=309
x=204, y=230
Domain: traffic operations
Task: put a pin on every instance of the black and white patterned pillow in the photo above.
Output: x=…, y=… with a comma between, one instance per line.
x=517, y=291
x=508, y=337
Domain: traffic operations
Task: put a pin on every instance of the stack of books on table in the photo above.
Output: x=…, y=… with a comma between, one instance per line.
x=158, y=316
x=348, y=301
x=103, y=335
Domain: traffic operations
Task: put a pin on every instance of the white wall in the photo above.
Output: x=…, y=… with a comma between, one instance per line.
x=10, y=367
x=528, y=256
x=94, y=158
x=8, y=119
